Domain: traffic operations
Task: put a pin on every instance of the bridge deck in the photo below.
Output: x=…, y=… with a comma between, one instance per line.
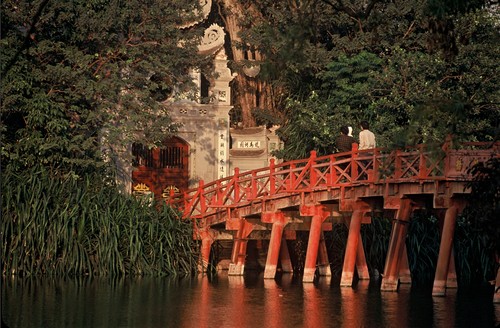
x=308, y=194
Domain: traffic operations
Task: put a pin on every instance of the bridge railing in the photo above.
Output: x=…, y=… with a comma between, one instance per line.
x=331, y=171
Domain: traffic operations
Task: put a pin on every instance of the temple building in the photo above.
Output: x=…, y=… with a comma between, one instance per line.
x=204, y=148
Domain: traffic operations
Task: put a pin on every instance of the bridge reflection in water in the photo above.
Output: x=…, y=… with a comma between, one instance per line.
x=247, y=301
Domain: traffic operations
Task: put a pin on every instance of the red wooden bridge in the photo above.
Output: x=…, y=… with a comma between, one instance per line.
x=311, y=194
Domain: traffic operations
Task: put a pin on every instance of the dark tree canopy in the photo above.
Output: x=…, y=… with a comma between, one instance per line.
x=417, y=70
x=76, y=74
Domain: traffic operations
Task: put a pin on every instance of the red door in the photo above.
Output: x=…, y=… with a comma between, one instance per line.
x=162, y=169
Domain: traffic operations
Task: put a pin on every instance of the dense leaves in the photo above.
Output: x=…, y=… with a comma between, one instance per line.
x=416, y=70
x=484, y=209
x=79, y=74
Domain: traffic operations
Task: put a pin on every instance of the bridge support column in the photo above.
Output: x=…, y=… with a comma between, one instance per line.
x=207, y=239
x=451, y=278
x=445, y=251
x=319, y=215
x=277, y=245
x=273, y=252
x=286, y=262
x=238, y=256
x=361, y=266
x=404, y=271
x=323, y=262
x=352, y=249
x=390, y=280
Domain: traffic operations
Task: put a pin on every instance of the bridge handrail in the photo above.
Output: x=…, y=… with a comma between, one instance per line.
x=331, y=171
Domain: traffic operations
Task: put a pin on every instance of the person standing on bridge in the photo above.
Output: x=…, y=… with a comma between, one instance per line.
x=366, y=141
x=366, y=137
x=344, y=141
x=350, y=131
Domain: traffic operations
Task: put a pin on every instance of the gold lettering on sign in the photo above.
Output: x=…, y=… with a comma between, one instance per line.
x=166, y=192
x=141, y=188
x=141, y=191
x=458, y=164
x=249, y=144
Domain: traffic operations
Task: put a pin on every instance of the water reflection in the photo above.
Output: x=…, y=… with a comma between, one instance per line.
x=233, y=301
x=354, y=302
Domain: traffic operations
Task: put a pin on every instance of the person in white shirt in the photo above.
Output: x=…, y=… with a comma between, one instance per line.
x=366, y=137
x=366, y=141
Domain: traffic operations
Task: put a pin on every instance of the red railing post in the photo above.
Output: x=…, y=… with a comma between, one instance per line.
x=333, y=171
x=236, y=185
x=203, y=205
x=253, y=185
x=397, y=163
x=376, y=156
x=446, y=148
x=218, y=199
x=313, y=178
x=354, y=163
x=184, y=204
x=422, y=168
x=292, y=176
x=272, y=178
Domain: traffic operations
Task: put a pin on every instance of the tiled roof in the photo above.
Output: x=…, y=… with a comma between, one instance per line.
x=247, y=131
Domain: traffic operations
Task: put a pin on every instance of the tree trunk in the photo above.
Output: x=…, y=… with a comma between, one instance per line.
x=246, y=88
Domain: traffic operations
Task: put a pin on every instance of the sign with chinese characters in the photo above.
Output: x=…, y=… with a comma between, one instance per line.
x=222, y=145
x=249, y=144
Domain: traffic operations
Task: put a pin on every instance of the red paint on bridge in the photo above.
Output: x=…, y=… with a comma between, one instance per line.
x=275, y=202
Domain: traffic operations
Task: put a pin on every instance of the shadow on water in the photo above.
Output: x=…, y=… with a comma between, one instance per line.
x=235, y=301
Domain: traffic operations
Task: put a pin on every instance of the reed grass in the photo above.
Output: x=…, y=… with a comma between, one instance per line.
x=474, y=253
x=84, y=226
x=422, y=244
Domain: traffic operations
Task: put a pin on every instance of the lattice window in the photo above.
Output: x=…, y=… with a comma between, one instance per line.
x=142, y=156
x=171, y=157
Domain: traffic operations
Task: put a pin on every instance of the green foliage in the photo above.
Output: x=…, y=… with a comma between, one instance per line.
x=416, y=70
x=422, y=246
x=483, y=210
x=310, y=131
x=79, y=74
x=336, y=241
x=67, y=226
x=375, y=237
x=474, y=252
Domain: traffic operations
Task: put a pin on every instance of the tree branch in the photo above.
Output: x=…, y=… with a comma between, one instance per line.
x=27, y=38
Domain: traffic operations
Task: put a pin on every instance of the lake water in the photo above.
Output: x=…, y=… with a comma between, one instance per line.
x=228, y=301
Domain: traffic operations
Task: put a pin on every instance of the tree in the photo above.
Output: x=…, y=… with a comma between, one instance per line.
x=392, y=63
x=78, y=75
